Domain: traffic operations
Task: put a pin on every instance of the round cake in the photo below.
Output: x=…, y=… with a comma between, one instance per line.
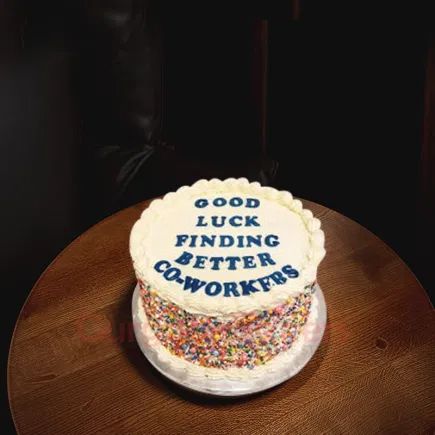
x=227, y=276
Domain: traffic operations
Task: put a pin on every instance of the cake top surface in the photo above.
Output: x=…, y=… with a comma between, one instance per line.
x=221, y=247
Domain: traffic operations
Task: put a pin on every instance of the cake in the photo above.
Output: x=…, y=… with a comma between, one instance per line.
x=227, y=276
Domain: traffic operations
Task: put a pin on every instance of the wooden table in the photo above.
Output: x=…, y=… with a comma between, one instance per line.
x=74, y=366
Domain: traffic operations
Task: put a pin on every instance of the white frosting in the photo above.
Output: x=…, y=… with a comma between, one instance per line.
x=154, y=237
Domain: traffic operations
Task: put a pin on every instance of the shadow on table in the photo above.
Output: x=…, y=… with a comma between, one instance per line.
x=139, y=362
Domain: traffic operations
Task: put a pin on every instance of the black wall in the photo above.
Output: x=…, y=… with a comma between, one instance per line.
x=347, y=100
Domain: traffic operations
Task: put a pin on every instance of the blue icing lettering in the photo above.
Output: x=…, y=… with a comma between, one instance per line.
x=193, y=284
x=236, y=201
x=181, y=238
x=232, y=221
x=252, y=202
x=184, y=258
x=218, y=221
x=266, y=259
x=240, y=241
x=253, y=240
x=265, y=283
x=251, y=221
x=226, y=241
x=207, y=240
x=290, y=271
x=232, y=262
x=219, y=202
x=201, y=203
x=230, y=289
x=248, y=287
x=172, y=274
x=200, y=262
x=278, y=278
x=215, y=262
x=162, y=265
x=271, y=240
x=213, y=288
x=201, y=222
x=248, y=262
x=192, y=243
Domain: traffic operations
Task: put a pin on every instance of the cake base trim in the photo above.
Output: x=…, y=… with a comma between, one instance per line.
x=232, y=381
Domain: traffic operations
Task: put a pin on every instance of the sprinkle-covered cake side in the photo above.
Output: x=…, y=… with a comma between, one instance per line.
x=248, y=341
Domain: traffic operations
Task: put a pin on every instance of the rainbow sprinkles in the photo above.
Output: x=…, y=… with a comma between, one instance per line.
x=248, y=341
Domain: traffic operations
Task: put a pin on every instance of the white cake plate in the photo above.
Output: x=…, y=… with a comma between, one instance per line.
x=196, y=378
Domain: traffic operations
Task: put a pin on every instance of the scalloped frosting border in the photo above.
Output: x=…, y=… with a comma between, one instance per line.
x=139, y=245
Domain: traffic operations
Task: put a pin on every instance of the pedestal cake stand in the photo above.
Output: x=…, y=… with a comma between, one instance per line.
x=279, y=369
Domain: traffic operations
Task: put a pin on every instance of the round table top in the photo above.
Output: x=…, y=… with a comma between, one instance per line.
x=74, y=365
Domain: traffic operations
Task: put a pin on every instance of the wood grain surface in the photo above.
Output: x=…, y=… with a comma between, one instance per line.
x=74, y=366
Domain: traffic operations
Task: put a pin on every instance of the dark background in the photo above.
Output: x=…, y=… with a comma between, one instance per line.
x=106, y=103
